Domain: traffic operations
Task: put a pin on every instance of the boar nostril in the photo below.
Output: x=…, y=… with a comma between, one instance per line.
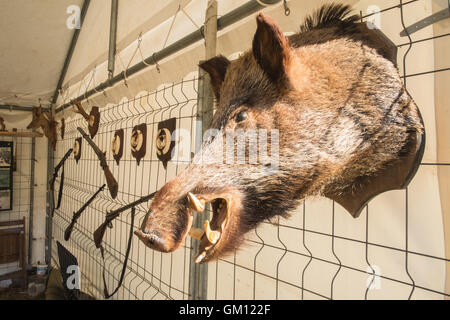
x=156, y=242
x=151, y=236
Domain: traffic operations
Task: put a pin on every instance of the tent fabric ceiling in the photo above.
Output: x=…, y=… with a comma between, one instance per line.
x=134, y=17
x=160, y=23
x=37, y=40
x=178, y=65
x=33, y=47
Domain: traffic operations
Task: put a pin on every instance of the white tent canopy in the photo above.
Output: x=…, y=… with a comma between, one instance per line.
x=33, y=47
x=36, y=39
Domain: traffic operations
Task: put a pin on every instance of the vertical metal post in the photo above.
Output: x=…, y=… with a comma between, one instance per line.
x=207, y=107
x=112, y=37
x=199, y=272
x=30, y=222
x=48, y=218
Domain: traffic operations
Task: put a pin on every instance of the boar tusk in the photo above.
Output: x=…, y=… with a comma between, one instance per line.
x=196, y=233
x=195, y=203
x=212, y=236
x=200, y=257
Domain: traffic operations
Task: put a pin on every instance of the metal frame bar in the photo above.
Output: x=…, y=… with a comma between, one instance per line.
x=419, y=25
x=30, y=220
x=223, y=22
x=18, y=108
x=198, y=286
x=198, y=274
x=112, y=37
x=69, y=55
x=48, y=218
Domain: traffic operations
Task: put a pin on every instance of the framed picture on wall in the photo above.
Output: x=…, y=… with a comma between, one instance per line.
x=5, y=154
x=5, y=178
x=6, y=175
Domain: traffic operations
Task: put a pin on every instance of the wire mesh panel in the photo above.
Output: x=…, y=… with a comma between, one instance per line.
x=150, y=275
x=394, y=250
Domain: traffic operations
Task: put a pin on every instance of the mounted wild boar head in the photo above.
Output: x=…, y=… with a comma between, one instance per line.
x=330, y=106
x=45, y=121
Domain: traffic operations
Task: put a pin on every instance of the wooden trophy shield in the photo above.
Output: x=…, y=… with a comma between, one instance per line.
x=395, y=176
x=164, y=142
x=139, y=141
x=117, y=145
x=93, y=122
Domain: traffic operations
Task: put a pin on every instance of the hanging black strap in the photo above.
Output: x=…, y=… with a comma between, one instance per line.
x=60, y=191
x=124, y=268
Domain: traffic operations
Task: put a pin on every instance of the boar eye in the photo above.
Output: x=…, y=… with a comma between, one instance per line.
x=241, y=116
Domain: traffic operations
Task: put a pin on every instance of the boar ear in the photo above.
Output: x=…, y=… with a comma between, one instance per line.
x=271, y=48
x=216, y=68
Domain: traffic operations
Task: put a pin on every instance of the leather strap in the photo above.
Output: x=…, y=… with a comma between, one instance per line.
x=124, y=268
x=60, y=191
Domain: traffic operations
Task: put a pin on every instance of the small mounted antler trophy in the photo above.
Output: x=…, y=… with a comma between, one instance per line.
x=93, y=119
x=46, y=121
x=139, y=141
x=117, y=145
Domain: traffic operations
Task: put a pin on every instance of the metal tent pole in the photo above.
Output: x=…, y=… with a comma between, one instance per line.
x=70, y=51
x=18, y=108
x=199, y=272
x=30, y=220
x=112, y=37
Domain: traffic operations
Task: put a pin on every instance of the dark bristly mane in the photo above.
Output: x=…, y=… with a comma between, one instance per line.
x=328, y=15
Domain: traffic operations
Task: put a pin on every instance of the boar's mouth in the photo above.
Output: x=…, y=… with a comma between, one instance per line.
x=213, y=237
x=215, y=231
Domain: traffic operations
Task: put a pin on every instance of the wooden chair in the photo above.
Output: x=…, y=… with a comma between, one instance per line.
x=12, y=248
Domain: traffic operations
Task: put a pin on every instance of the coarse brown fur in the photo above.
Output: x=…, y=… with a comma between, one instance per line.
x=335, y=96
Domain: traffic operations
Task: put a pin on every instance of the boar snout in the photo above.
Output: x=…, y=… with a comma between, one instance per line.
x=165, y=230
x=169, y=221
x=153, y=240
x=151, y=237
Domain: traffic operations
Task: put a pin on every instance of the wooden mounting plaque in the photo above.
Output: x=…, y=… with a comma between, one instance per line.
x=95, y=114
x=395, y=176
